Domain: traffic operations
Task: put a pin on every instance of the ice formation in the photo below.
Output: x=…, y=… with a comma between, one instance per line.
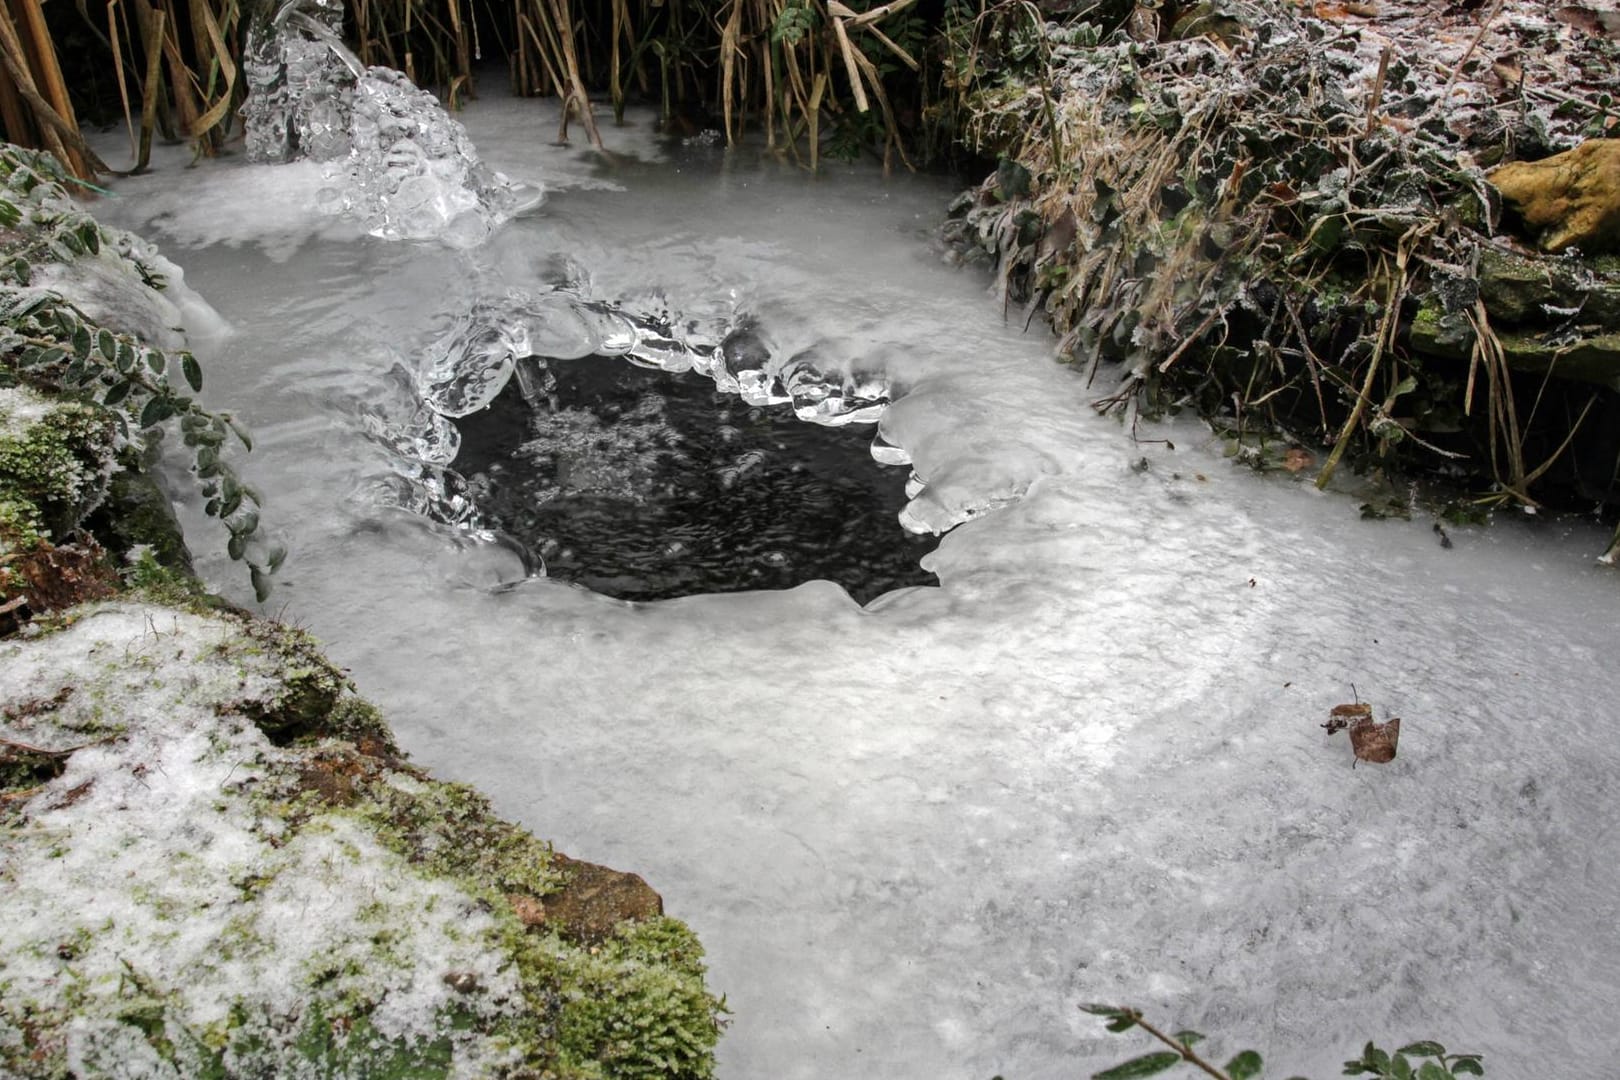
x=396, y=161
x=465, y=368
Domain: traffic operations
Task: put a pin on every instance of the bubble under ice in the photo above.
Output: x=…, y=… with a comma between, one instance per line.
x=396, y=162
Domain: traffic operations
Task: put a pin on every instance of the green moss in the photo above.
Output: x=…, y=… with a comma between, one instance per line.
x=59, y=463
x=137, y=515
x=354, y=719
x=309, y=686
x=449, y=830
x=636, y=1006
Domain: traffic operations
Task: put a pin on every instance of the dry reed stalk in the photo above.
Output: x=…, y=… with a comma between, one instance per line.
x=42, y=56
x=180, y=83
x=60, y=135
x=730, y=35
x=463, y=55
x=11, y=108
x=116, y=41
x=151, y=89
x=850, y=67
x=210, y=43
x=527, y=26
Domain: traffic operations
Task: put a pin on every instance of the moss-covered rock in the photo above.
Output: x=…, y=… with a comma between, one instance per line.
x=185, y=897
x=54, y=455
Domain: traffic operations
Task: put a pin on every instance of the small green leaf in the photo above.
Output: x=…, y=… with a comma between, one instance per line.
x=246, y=524
x=1146, y=1065
x=1121, y=1023
x=1406, y=386
x=277, y=556
x=107, y=346
x=213, y=507
x=261, y=583
x=116, y=393
x=1467, y=1065
x=82, y=342
x=156, y=411
x=52, y=355
x=1400, y=1068
x=1424, y=1048
x=236, y=545
x=156, y=361
x=1245, y=1066
x=192, y=371
x=1430, y=1071
x=1188, y=1038
x=1104, y=1010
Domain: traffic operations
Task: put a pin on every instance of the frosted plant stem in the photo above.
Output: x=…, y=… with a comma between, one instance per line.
x=1188, y=1054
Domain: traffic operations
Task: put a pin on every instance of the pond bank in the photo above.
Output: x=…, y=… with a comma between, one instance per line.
x=1296, y=221
x=214, y=858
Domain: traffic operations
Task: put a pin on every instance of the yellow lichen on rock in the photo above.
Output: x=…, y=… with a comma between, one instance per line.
x=1570, y=199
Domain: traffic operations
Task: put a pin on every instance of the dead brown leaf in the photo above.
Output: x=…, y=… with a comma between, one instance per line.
x=1373, y=741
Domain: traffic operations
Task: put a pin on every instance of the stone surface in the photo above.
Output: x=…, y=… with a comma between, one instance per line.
x=594, y=900
x=1570, y=199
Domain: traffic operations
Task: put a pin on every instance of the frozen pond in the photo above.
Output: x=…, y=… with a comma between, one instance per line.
x=1087, y=767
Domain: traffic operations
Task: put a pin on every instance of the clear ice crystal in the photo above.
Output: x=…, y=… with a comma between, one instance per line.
x=396, y=161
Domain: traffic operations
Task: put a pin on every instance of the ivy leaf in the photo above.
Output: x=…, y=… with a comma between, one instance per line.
x=156, y=411
x=1146, y=1065
x=1246, y=1066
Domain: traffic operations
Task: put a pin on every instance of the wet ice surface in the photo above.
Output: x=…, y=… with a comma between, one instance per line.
x=646, y=485
x=1087, y=767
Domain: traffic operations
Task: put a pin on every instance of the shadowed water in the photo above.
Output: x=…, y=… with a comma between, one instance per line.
x=644, y=485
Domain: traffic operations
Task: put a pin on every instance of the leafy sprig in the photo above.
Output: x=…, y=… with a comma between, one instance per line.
x=1423, y=1060
x=49, y=343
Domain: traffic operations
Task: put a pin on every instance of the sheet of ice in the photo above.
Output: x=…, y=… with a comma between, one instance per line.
x=1087, y=767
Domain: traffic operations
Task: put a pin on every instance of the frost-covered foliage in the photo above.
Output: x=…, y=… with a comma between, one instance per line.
x=84, y=317
x=397, y=162
x=200, y=881
x=1245, y=206
x=55, y=458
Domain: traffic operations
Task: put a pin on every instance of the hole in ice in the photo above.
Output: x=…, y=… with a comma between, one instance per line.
x=646, y=484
